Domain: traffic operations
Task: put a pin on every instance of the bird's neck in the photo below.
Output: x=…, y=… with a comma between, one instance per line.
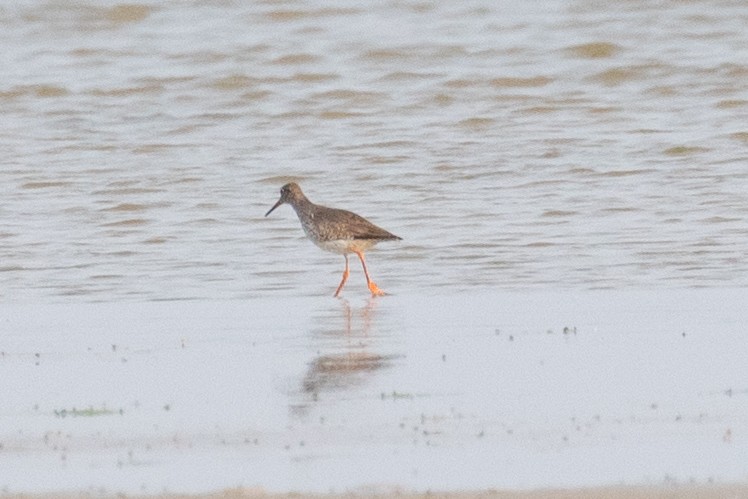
x=303, y=206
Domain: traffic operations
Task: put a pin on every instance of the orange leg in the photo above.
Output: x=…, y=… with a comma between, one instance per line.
x=345, y=277
x=375, y=291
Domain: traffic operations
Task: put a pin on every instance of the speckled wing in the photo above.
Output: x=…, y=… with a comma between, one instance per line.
x=335, y=224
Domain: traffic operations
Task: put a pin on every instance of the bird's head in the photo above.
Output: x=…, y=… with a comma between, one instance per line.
x=289, y=193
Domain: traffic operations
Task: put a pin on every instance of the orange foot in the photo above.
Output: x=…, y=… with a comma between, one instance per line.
x=375, y=291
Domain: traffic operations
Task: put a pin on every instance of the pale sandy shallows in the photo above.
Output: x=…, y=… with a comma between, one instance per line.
x=621, y=492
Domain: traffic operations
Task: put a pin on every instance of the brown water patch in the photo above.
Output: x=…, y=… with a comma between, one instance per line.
x=155, y=240
x=460, y=83
x=295, y=15
x=540, y=110
x=127, y=191
x=741, y=136
x=720, y=220
x=663, y=90
x=625, y=173
x=346, y=94
x=595, y=50
x=11, y=268
x=292, y=59
x=86, y=53
x=389, y=144
x=167, y=81
x=337, y=115
x=314, y=77
x=619, y=209
x=350, y=98
x=615, y=76
x=580, y=170
x=731, y=103
x=476, y=123
x=292, y=115
x=44, y=185
x=603, y=109
x=124, y=92
x=541, y=183
x=182, y=180
x=285, y=15
x=127, y=207
x=737, y=71
x=684, y=150
x=622, y=74
x=34, y=90
x=11, y=94
x=49, y=91
x=233, y=82
x=151, y=148
x=386, y=160
x=127, y=13
x=558, y=213
x=218, y=116
x=645, y=130
x=539, y=244
x=442, y=99
x=536, y=81
x=105, y=277
x=130, y=222
x=255, y=95
x=384, y=54
x=407, y=76
x=204, y=221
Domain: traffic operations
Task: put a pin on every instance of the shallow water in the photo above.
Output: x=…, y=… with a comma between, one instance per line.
x=572, y=144
x=475, y=391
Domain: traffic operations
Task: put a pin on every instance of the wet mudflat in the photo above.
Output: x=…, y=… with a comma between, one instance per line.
x=464, y=392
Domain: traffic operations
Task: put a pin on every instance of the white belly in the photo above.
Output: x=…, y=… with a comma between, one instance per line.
x=343, y=246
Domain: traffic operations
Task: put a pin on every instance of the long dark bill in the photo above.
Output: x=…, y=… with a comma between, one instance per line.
x=280, y=202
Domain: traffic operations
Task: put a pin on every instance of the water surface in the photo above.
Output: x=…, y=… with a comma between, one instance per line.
x=451, y=392
x=568, y=144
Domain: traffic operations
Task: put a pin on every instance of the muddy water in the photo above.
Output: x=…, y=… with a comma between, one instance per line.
x=568, y=144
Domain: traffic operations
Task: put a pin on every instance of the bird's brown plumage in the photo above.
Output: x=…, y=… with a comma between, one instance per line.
x=338, y=231
x=329, y=224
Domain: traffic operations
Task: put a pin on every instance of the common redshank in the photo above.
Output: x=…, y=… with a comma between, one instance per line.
x=338, y=231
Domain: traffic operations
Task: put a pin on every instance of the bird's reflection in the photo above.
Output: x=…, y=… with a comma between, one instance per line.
x=345, y=353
